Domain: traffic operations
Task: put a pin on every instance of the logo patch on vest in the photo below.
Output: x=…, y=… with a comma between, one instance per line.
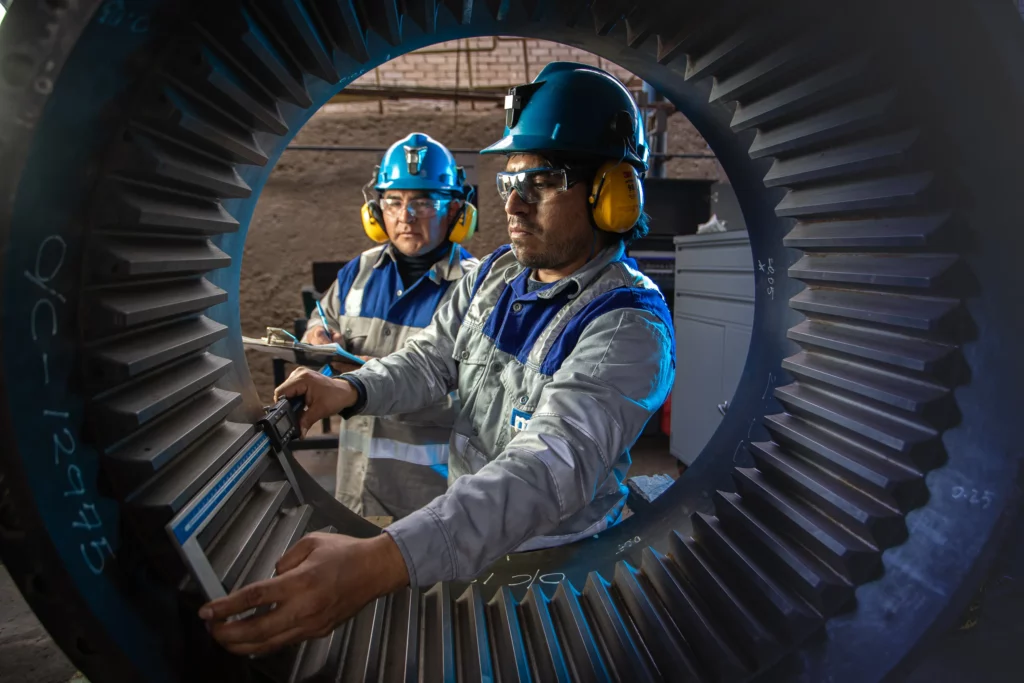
x=520, y=420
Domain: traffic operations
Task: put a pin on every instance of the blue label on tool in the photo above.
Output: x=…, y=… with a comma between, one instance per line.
x=207, y=505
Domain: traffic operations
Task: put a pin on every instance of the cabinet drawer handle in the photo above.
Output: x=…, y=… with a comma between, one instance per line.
x=723, y=407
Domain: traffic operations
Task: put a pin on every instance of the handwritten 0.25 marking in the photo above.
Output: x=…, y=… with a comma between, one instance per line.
x=973, y=496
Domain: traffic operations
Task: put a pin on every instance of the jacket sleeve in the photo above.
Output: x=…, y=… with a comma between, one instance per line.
x=332, y=309
x=423, y=371
x=595, y=407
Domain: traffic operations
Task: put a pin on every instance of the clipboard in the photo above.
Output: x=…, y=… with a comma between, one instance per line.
x=280, y=343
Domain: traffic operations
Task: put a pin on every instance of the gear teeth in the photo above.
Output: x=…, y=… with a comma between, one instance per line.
x=708, y=585
x=286, y=530
x=120, y=257
x=897, y=310
x=802, y=96
x=122, y=359
x=198, y=70
x=163, y=497
x=846, y=456
x=776, y=608
x=150, y=158
x=132, y=462
x=574, y=631
x=874, y=154
x=541, y=637
x=170, y=111
x=710, y=649
x=144, y=211
x=823, y=590
x=857, y=196
x=115, y=416
x=384, y=18
x=438, y=653
x=917, y=271
x=362, y=657
x=290, y=23
x=901, y=351
x=472, y=647
x=402, y=638
x=883, y=233
x=638, y=29
x=906, y=436
x=672, y=655
x=690, y=28
x=878, y=524
x=424, y=13
x=607, y=14
x=615, y=634
x=237, y=541
x=507, y=638
x=900, y=391
x=829, y=126
x=770, y=71
x=734, y=49
x=237, y=35
x=317, y=659
x=462, y=9
x=849, y=556
x=344, y=27
x=120, y=307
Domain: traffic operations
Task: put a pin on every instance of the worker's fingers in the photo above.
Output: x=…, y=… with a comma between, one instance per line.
x=252, y=596
x=296, y=385
x=337, y=337
x=307, y=419
x=258, y=628
x=296, y=554
x=292, y=635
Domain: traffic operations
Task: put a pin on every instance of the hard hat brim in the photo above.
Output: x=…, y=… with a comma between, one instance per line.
x=540, y=144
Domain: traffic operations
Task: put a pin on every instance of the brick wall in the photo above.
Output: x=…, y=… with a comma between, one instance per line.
x=489, y=62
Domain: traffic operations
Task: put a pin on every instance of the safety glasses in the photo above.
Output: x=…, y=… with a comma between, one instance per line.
x=423, y=207
x=535, y=184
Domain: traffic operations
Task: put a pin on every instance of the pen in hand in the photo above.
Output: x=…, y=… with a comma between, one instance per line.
x=323, y=320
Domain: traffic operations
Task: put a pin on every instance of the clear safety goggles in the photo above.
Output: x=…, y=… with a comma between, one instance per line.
x=535, y=184
x=423, y=207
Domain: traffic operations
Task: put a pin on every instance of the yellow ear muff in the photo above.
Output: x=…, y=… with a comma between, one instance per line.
x=373, y=222
x=617, y=197
x=465, y=225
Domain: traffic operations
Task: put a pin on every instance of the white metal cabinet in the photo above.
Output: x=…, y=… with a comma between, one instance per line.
x=714, y=313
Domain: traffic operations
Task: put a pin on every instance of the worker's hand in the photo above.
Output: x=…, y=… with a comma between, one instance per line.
x=323, y=396
x=322, y=581
x=318, y=335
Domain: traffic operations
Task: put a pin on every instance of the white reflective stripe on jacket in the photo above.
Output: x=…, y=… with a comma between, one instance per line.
x=376, y=315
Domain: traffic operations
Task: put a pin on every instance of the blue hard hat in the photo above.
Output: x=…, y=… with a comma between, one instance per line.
x=574, y=110
x=419, y=162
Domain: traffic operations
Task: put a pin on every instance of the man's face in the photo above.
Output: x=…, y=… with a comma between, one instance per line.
x=552, y=233
x=417, y=222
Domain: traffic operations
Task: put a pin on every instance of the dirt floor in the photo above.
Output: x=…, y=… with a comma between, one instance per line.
x=309, y=209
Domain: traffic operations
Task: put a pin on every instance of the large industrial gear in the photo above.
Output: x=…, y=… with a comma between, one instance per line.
x=838, y=522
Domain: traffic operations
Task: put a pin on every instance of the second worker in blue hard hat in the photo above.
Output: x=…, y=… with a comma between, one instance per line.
x=560, y=351
x=418, y=212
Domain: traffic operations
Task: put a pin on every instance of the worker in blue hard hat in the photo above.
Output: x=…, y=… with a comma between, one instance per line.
x=418, y=213
x=560, y=351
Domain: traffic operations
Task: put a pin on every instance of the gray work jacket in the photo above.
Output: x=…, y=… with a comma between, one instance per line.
x=555, y=386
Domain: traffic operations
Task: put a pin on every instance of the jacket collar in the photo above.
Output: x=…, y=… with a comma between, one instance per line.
x=579, y=280
x=448, y=267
